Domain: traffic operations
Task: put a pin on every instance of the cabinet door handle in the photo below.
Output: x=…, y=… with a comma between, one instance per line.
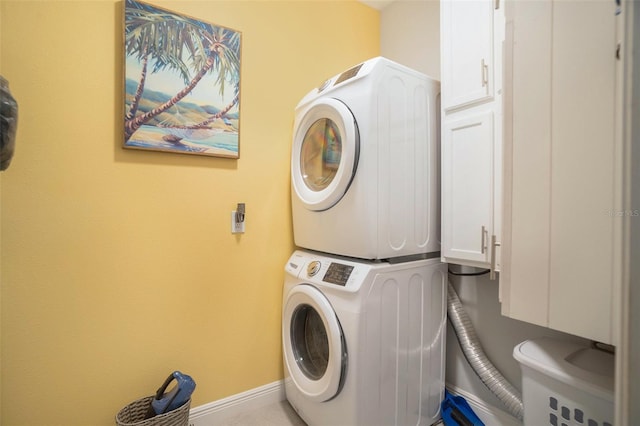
x=483, y=241
x=497, y=4
x=494, y=244
x=485, y=73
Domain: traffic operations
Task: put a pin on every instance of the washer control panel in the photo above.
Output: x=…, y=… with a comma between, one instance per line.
x=318, y=269
x=313, y=267
x=338, y=274
x=329, y=271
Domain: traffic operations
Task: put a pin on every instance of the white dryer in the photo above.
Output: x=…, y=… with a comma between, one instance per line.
x=363, y=341
x=364, y=163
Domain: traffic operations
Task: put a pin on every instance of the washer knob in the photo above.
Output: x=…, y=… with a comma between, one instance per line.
x=313, y=268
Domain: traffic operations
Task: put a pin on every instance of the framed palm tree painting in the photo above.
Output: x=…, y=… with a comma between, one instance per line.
x=182, y=83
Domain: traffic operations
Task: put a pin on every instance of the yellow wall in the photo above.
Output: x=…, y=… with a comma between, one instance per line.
x=118, y=266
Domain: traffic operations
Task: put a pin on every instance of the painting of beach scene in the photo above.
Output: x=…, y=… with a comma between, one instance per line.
x=182, y=83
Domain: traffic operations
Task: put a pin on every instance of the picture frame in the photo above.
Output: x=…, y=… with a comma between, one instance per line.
x=182, y=83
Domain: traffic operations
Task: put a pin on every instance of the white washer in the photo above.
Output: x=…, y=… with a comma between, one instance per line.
x=364, y=163
x=363, y=341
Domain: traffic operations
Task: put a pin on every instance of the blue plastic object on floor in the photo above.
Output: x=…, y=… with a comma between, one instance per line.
x=178, y=396
x=457, y=412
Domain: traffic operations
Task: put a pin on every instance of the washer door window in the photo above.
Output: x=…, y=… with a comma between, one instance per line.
x=314, y=348
x=325, y=154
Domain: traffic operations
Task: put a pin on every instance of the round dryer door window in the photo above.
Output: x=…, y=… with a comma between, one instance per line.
x=325, y=154
x=314, y=349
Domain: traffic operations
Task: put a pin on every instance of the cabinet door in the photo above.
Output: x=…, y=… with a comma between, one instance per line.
x=467, y=187
x=467, y=52
x=564, y=167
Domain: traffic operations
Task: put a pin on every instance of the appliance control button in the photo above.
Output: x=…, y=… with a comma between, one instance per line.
x=313, y=268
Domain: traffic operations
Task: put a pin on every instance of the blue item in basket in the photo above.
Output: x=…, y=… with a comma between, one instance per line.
x=176, y=397
x=457, y=412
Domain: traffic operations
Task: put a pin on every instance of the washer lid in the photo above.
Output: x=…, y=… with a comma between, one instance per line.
x=325, y=154
x=314, y=348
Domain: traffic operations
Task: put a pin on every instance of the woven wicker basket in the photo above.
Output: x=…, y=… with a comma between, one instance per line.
x=134, y=415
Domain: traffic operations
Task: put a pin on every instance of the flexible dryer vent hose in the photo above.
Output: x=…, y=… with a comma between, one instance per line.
x=476, y=357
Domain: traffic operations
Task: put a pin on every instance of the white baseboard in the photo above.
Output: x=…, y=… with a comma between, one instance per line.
x=490, y=415
x=217, y=411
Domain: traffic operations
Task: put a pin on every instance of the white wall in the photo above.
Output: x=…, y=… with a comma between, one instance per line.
x=632, y=350
x=410, y=34
x=498, y=335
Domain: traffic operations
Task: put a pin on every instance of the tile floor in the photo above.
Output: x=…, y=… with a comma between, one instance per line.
x=278, y=414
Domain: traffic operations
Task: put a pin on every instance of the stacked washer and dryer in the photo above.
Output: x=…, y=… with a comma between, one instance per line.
x=364, y=301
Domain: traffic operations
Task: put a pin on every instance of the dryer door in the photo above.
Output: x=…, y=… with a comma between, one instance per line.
x=314, y=347
x=325, y=154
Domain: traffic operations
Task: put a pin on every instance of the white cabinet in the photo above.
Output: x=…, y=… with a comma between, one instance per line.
x=467, y=182
x=471, y=44
x=467, y=52
x=563, y=167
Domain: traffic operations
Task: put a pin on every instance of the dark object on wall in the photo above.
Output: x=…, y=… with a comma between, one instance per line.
x=8, y=124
